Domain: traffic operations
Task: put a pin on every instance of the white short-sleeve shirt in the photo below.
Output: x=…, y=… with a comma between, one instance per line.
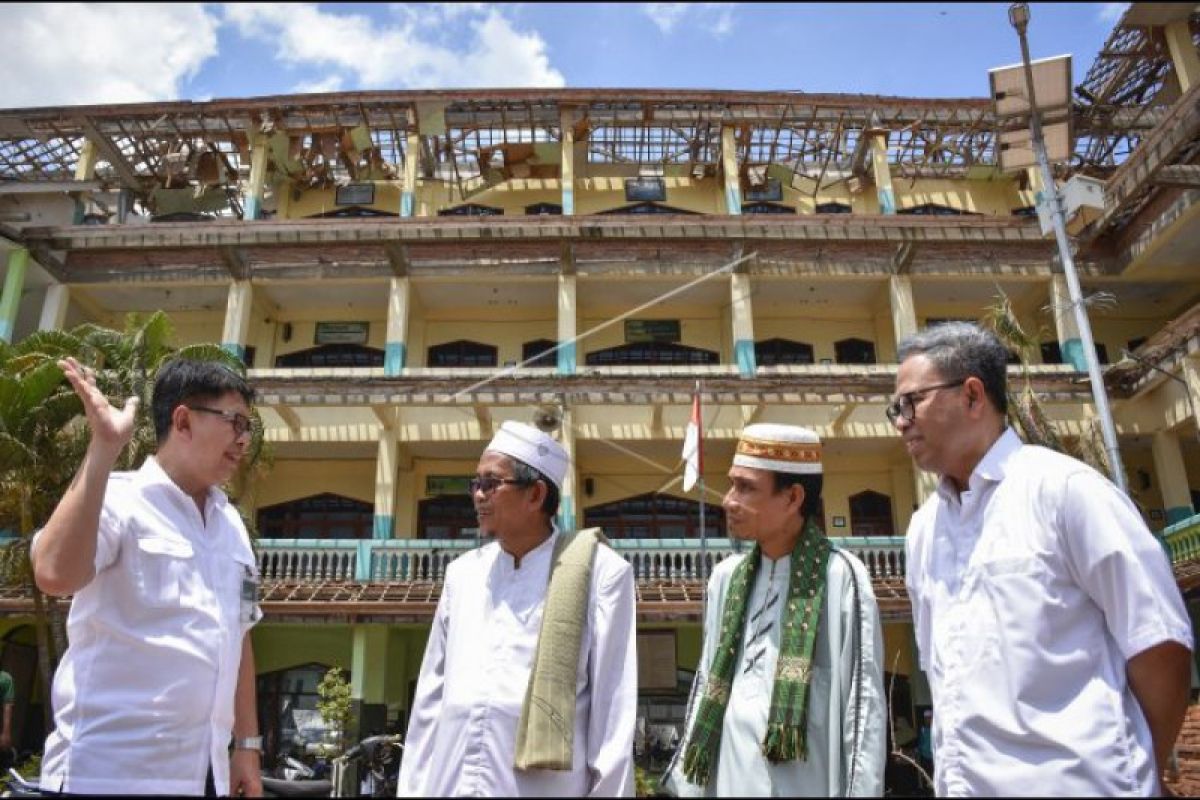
x=143, y=698
x=1030, y=592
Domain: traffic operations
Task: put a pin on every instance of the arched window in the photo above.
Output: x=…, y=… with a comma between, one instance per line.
x=353, y=212
x=462, y=353
x=871, y=514
x=854, y=351
x=321, y=516
x=471, y=210
x=770, y=352
x=936, y=210
x=287, y=708
x=333, y=355
x=542, y=349
x=447, y=516
x=544, y=209
x=767, y=208
x=647, y=208
x=655, y=516
x=642, y=353
x=833, y=208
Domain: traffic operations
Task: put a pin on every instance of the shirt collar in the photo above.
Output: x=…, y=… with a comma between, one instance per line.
x=535, y=556
x=992, y=468
x=152, y=474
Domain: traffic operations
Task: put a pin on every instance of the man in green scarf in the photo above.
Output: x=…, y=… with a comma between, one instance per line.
x=789, y=697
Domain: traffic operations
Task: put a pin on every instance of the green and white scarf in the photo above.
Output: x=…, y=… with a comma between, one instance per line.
x=787, y=722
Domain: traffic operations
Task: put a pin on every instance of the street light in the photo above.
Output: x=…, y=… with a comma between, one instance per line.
x=1018, y=16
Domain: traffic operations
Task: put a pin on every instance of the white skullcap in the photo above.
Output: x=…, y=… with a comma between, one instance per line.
x=530, y=446
x=779, y=448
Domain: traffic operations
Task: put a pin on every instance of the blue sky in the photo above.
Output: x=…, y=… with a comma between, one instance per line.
x=81, y=53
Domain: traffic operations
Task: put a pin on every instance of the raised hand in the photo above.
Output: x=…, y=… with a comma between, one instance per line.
x=112, y=427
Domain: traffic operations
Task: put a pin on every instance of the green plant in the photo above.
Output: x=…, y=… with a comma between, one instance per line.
x=644, y=784
x=29, y=769
x=334, y=704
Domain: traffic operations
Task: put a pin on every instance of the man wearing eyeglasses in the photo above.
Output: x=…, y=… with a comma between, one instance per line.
x=1047, y=618
x=159, y=675
x=528, y=687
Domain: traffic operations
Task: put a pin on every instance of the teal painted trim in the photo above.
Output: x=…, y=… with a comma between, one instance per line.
x=382, y=528
x=1072, y=353
x=77, y=216
x=394, y=354
x=566, y=513
x=1179, y=514
x=363, y=560
x=733, y=200
x=568, y=201
x=407, y=204
x=566, y=359
x=6, y=330
x=887, y=201
x=234, y=349
x=743, y=351
x=14, y=283
x=253, y=207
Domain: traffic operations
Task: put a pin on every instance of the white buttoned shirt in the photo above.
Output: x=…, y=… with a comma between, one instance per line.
x=1030, y=593
x=462, y=734
x=143, y=698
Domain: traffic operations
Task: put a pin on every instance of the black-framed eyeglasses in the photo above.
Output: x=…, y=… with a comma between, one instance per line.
x=489, y=484
x=240, y=423
x=906, y=404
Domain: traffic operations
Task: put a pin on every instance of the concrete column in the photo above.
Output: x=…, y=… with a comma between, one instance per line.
x=743, y=324
x=253, y=199
x=568, y=362
x=412, y=158
x=385, y=485
x=1069, y=343
x=1183, y=53
x=903, y=498
x=395, y=348
x=883, y=174
x=904, y=311
x=568, y=517
x=14, y=284
x=729, y=165
x=1172, y=476
x=54, y=307
x=567, y=171
x=368, y=673
x=85, y=170
x=237, y=318
x=1190, y=369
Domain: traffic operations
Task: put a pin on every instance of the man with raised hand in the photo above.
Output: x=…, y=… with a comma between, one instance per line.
x=788, y=698
x=159, y=675
x=528, y=687
x=1047, y=617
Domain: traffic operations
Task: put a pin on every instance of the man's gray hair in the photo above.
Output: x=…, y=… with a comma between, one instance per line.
x=961, y=350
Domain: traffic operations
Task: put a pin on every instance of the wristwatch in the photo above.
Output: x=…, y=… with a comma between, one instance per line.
x=248, y=743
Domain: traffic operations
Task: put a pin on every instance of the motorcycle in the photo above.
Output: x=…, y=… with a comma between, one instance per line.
x=378, y=758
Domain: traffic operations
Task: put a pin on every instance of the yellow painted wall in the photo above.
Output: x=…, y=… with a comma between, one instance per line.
x=704, y=196
x=314, y=202
x=196, y=327
x=507, y=336
x=699, y=327
x=304, y=327
x=421, y=470
x=1115, y=332
x=282, y=646
x=821, y=332
x=898, y=649
x=295, y=479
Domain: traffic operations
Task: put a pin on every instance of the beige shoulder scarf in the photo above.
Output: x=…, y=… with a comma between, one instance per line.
x=546, y=732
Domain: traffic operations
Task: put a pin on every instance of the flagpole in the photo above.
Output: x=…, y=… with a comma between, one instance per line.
x=700, y=483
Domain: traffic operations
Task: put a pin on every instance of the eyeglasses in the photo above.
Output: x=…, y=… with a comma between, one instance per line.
x=906, y=404
x=489, y=484
x=240, y=423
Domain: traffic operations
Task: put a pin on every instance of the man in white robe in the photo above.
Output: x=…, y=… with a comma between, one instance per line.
x=464, y=731
x=775, y=490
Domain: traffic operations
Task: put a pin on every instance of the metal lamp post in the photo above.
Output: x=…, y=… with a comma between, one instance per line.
x=1018, y=15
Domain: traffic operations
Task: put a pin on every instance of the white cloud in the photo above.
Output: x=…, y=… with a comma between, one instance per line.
x=1111, y=12
x=70, y=53
x=410, y=51
x=716, y=18
x=330, y=83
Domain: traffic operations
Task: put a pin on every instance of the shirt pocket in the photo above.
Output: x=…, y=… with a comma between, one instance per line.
x=166, y=569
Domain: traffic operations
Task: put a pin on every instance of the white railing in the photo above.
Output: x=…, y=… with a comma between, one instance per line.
x=418, y=560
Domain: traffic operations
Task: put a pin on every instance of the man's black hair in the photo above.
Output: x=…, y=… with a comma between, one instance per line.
x=811, y=507
x=182, y=380
x=530, y=475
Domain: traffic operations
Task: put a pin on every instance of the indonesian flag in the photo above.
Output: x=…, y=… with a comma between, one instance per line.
x=693, y=462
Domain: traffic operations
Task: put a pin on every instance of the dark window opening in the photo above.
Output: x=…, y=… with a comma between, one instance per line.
x=655, y=516
x=936, y=210
x=541, y=351
x=767, y=208
x=352, y=212
x=1028, y=212
x=644, y=189
x=462, y=353
x=834, y=208
x=471, y=210
x=771, y=352
x=287, y=708
x=544, y=209
x=248, y=356
x=1051, y=353
x=447, y=516
x=636, y=353
x=322, y=516
x=871, y=514
x=854, y=351
x=1134, y=344
x=646, y=208
x=333, y=355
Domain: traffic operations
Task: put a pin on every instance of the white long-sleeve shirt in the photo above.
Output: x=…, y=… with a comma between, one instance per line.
x=846, y=712
x=462, y=733
x=1030, y=592
x=143, y=698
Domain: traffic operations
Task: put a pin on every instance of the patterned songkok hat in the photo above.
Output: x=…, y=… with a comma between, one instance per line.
x=779, y=448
